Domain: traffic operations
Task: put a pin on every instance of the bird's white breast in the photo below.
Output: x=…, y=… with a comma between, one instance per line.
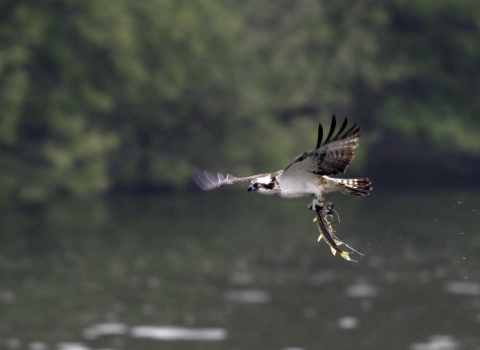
x=303, y=185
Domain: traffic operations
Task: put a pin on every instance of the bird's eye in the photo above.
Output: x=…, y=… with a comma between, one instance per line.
x=258, y=185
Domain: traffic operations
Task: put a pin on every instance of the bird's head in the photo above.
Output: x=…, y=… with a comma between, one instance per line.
x=263, y=185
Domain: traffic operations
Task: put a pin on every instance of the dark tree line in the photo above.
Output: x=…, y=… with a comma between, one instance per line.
x=96, y=95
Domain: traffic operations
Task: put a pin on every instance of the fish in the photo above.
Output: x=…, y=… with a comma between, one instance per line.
x=322, y=211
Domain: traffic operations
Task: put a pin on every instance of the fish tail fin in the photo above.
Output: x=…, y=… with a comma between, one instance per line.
x=355, y=251
x=346, y=256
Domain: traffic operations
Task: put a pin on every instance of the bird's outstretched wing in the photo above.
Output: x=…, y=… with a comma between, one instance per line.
x=331, y=157
x=207, y=181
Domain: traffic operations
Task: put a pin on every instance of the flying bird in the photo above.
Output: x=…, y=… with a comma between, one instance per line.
x=308, y=174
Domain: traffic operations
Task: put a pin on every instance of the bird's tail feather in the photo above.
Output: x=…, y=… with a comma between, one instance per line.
x=357, y=187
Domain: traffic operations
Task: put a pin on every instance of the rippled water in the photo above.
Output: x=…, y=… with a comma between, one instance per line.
x=227, y=270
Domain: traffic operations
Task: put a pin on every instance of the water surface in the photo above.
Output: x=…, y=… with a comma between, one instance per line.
x=228, y=270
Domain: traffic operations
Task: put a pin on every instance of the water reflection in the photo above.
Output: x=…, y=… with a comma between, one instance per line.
x=437, y=342
x=247, y=296
x=72, y=346
x=361, y=290
x=102, y=329
x=463, y=288
x=179, y=333
x=209, y=272
x=348, y=322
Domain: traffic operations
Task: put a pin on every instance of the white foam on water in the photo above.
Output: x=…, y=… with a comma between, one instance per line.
x=348, y=322
x=72, y=346
x=437, y=342
x=100, y=329
x=178, y=333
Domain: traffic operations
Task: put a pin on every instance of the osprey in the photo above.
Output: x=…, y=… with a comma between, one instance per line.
x=308, y=174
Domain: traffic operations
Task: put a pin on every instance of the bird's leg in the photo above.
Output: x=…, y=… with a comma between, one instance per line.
x=317, y=204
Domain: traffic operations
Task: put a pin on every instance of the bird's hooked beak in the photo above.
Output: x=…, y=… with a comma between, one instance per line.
x=250, y=188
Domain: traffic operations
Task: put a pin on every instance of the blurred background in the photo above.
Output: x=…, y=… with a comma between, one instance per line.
x=107, y=107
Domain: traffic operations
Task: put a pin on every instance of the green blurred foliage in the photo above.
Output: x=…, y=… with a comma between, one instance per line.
x=96, y=95
x=438, y=45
